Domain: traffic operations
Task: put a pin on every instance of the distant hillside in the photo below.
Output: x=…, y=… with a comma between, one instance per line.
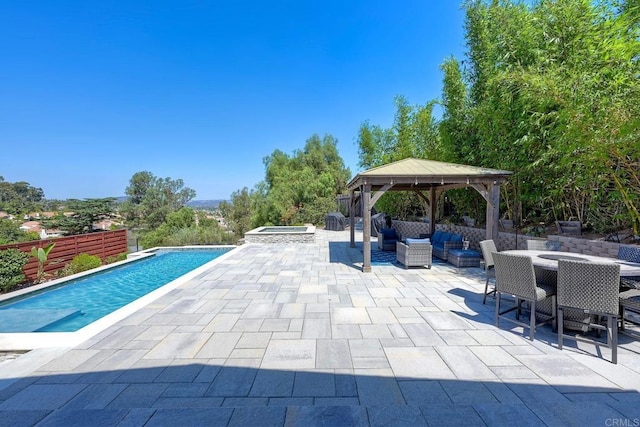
x=205, y=204
x=198, y=204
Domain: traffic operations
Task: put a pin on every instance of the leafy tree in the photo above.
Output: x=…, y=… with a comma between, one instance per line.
x=300, y=188
x=548, y=90
x=10, y=232
x=181, y=228
x=85, y=213
x=19, y=197
x=238, y=212
x=413, y=134
x=152, y=199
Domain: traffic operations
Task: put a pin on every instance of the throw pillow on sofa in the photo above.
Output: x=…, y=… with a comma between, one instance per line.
x=389, y=234
x=410, y=241
x=456, y=238
x=445, y=237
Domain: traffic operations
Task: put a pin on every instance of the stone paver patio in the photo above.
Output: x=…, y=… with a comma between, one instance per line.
x=296, y=334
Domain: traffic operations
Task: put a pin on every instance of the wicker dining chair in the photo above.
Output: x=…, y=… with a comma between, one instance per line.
x=543, y=245
x=593, y=288
x=488, y=247
x=629, y=254
x=515, y=276
x=629, y=302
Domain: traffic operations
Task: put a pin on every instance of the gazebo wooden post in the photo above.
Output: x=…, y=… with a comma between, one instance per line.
x=366, y=228
x=352, y=218
x=432, y=210
x=493, y=212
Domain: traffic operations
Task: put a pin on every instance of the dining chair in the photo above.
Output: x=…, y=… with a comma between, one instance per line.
x=488, y=247
x=629, y=254
x=592, y=288
x=543, y=245
x=629, y=302
x=515, y=276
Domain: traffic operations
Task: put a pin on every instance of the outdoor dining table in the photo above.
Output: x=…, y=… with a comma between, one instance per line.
x=545, y=264
x=548, y=260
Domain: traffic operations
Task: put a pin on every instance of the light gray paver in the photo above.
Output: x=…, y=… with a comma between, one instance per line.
x=377, y=390
x=296, y=334
x=45, y=396
x=396, y=416
x=219, y=345
x=84, y=417
x=178, y=345
x=314, y=384
x=333, y=354
x=316, y=328
x=465, y=364
x=418, y=362
x=423, y=335
x=303, y=416
x=190, y=417
x=269, y=383
x=258, y=416
x=290, y=354
x=349, y=316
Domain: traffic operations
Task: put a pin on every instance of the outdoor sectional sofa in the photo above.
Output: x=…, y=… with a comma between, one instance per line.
x=400, y=231
x=443, y=241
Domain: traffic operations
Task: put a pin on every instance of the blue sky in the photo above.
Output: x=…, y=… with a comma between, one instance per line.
x=93, y=92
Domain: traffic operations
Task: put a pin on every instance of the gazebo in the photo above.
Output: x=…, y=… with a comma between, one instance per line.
x=427, y=178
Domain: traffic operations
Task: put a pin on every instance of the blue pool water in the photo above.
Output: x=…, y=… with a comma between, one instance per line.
x=79, y=302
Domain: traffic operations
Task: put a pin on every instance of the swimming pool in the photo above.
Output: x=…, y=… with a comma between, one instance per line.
x=74, y=304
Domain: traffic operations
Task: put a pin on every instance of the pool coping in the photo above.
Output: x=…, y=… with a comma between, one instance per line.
x=18, y=341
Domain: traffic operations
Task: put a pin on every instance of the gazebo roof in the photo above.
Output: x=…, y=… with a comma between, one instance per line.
x=422, y=174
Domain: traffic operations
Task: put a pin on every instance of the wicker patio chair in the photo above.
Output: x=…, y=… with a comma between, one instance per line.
x=515, y=276
x=414, y=253
x=593, y=288
x=488, y=247
x=629, y=301
x=543, y=245
x=629, y=254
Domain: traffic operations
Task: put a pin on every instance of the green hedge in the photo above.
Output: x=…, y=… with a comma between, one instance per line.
x=79, y=263
x=12, y=261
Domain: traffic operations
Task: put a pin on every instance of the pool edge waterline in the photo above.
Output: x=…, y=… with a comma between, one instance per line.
x=36, y=340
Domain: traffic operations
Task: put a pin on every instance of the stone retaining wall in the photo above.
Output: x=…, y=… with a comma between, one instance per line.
x=507, y=241
x=410, y=228
x=283, y=236
x=280, y=238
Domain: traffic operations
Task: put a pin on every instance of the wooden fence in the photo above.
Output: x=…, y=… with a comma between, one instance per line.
x=103, y=244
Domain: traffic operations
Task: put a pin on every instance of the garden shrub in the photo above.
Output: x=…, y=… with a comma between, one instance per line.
x=115, y=258
x=79, y=263
x=12, y=261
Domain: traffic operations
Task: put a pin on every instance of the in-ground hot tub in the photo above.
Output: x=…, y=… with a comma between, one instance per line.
x=281, y=234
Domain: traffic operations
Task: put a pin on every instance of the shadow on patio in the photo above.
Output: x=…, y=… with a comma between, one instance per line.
x=209, y=394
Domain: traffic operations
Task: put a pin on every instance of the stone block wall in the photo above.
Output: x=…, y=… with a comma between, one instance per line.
x=472, y=234
x=507, y=241
x=280, y=238
x=411, y=229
